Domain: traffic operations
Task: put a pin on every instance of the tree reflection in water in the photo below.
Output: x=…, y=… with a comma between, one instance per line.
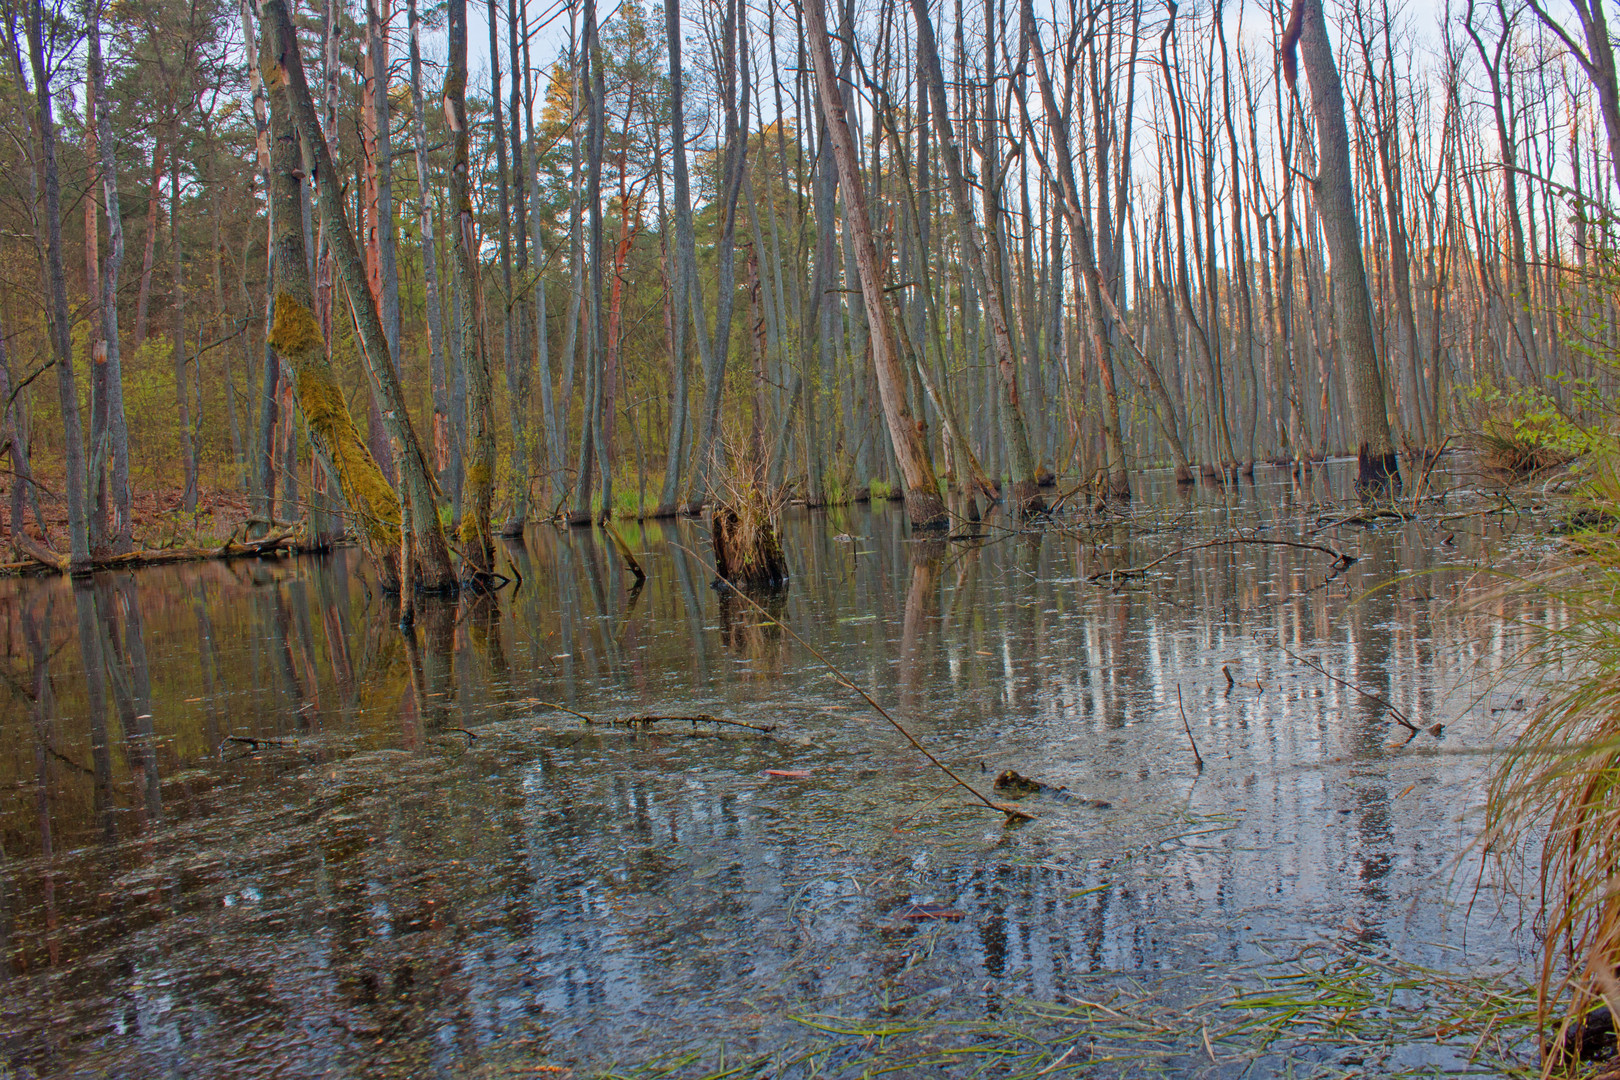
x=239, y=824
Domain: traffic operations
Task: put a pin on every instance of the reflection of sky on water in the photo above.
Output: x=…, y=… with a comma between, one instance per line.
x=362, y=887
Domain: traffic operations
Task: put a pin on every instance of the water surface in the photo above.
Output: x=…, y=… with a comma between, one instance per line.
x=248, y=828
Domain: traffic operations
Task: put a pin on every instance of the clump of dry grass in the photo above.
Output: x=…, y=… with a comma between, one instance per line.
x=1515, y=448
x=743, y=520
x=1557, y=796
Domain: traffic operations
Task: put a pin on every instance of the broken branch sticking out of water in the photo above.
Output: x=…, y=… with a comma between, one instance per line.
x=1188, y=728
x=1012, y=812
x=624, y=552
x=1340, y=559
x=1399, y=716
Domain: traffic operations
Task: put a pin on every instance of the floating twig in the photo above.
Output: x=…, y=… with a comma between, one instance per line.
x=254, y=743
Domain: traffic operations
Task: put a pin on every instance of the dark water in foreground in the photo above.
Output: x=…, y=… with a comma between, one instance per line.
x=278, y=850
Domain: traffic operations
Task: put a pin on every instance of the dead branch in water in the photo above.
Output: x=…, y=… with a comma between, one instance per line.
x=700, y=718
x=1012, y=812
x=630, y=721
x=624, y=552
x=566, y=709
x=1399, y=716
x=1340, y=559
x=1188, y=729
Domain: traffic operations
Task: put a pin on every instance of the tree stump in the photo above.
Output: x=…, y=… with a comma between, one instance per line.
x=746, y=551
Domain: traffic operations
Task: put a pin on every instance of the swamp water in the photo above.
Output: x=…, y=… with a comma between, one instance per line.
x=293, y=842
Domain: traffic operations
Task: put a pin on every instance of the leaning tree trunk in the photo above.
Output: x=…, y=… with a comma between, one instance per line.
x=985, y=277
x=295, y=333
x=924, y=506
x=1378, y=470
x=430, y=555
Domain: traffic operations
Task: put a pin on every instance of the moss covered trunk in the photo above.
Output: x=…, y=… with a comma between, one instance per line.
x=430, y=560
x=295, y=334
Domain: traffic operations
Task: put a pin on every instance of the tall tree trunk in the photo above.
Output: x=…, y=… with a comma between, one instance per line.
x=261, y=456
x=430, y=256
x=680, y=312
x=477, y=539
x=924, y=506
x=430, y=556
x=295, y=333
x=154, y=198
x=118, y=536
x=519, y=360
x=177, y=312
x=95, y=338
x=1378, y=470
x=378, y=232
x=56, y=298
x=983, y=259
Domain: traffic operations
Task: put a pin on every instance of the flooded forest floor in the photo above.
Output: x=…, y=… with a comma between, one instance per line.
x=248, y=828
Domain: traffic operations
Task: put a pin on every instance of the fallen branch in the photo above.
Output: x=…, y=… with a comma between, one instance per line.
x=701, y=718
x=1340, y=559
x=1400, y=716
x=1012, y=812
x=1361, y=517
x=61, y=564
x=39, y=552
x=566, y=709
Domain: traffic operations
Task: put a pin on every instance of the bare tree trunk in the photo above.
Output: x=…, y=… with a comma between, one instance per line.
x=983, y=264
x=1378, y=471
x=519, y=361
x=477, y=539
x=95, y=338
x=56, y=298
x=680, y=310
x=924, y=506
x=177, y=305
x=154, y=197
x=430, y=255
x=261, y=456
